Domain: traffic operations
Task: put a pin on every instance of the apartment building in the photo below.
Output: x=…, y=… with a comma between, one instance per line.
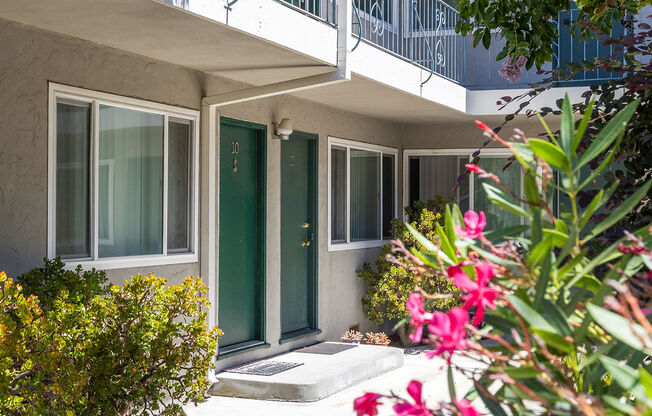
x=264, y=145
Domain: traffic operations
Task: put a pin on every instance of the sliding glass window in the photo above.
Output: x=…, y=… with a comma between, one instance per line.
x=124, y=185
x=443, y=175
x=362, y=193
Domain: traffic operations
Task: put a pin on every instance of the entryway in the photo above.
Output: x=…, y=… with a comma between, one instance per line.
x=241, y=235
x=298, y=235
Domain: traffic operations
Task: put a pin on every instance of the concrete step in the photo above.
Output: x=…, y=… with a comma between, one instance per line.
x=319, y=375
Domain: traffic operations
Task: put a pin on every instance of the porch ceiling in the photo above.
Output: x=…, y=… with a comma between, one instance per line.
x=368, y=97
x=144, y=27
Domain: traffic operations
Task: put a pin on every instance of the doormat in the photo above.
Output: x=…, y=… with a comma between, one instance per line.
x=263, y=368
x=326, y=348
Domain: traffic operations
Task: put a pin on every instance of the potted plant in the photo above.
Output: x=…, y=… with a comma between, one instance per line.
x=352, y=337
x=376, y=338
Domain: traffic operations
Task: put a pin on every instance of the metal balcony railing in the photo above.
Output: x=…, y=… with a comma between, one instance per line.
x=420, y=31
x=423, y=32
x=325, y=10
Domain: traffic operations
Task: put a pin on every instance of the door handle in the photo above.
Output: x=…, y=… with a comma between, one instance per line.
x=305, y=243
x=306, y=225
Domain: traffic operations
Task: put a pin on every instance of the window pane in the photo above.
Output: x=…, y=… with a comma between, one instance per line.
x=130, y=187
x=497, y=218
x=338, y=194
x=179, y=151
x=72, y=181
x=365, y=195
x=389, y=204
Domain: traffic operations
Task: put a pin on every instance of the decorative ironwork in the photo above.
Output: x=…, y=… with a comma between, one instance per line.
x=377, y=18
x=440, y=52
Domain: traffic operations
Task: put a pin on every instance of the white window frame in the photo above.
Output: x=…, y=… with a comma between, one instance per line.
x=489, y=151
x=95, y=99
x=348, y=145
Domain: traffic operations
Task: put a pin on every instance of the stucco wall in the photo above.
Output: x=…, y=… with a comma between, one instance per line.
x=30, y=58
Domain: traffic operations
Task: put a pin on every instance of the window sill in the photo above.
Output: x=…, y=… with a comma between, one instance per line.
x=133, y=261
x=357, y=245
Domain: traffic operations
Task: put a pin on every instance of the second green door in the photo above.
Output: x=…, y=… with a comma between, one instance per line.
x=298, y=234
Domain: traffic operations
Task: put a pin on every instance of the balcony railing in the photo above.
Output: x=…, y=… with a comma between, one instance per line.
x=423, y=32
x=325, y=10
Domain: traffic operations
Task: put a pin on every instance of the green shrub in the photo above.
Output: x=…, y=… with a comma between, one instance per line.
x=389, y=285
x=143, y=348
x=47, y=282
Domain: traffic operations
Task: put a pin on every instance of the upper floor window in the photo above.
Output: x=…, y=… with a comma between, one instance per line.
x=432, y=172
x=362, y=194
x=122, y=180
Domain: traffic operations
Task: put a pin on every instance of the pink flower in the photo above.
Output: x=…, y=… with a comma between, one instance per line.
x=464, y=406
x=477, y=292
x=474, y=168
x=419, y=316
x=474, y=224
x=418, y=408
x=511, y=70
x=367, y=404
x=483, y=126
x=449, y=331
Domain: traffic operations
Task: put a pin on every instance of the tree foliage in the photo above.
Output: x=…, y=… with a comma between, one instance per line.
x=569, y=330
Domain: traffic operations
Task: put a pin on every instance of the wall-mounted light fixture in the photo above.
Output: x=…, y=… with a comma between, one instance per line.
x=282, y=129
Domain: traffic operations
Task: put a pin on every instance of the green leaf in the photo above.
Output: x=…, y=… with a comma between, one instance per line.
x=549, y=152
x=620, y=328
x=625, y=376
x=531, y=188
x=567, y=127
x=525, y=152
x=591, y=208
x=505, y=201
x=583, y=125
x=555, y=340
x=449, y=226
x=558, y=238
x=604, y=164
x=623, y=209
x=492, y=405
x=547, y=128
x=608, y=134
x=521, y=372
x=542, y=281
x=556, y=317
x=531, y=316
x=622, y=407
x=539, y=251
x=446, y=246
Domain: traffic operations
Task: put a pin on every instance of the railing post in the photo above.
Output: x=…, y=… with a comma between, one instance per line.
x=411, y=28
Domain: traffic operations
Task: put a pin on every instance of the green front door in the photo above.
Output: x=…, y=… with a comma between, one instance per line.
x=298, y=234
x=241, y=234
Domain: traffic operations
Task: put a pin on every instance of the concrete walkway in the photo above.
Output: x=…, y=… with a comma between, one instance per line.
x=416, y=367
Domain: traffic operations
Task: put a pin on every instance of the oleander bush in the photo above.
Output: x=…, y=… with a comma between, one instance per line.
x=568, y=329
x=389, y=284
x=141, y=349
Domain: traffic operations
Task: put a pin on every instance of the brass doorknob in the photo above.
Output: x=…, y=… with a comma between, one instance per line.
x=306, y=225
x=305, y=243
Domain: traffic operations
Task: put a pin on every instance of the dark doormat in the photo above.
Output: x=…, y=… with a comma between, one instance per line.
x=263, y=368
x=326, y=348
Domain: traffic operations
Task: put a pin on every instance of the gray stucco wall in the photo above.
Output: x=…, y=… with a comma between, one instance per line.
x=30, y=58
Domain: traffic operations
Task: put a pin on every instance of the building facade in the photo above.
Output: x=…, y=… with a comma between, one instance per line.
x=147, y=136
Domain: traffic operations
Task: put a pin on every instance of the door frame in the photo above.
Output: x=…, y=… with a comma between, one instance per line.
x=313, y=279
x=261, y=248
